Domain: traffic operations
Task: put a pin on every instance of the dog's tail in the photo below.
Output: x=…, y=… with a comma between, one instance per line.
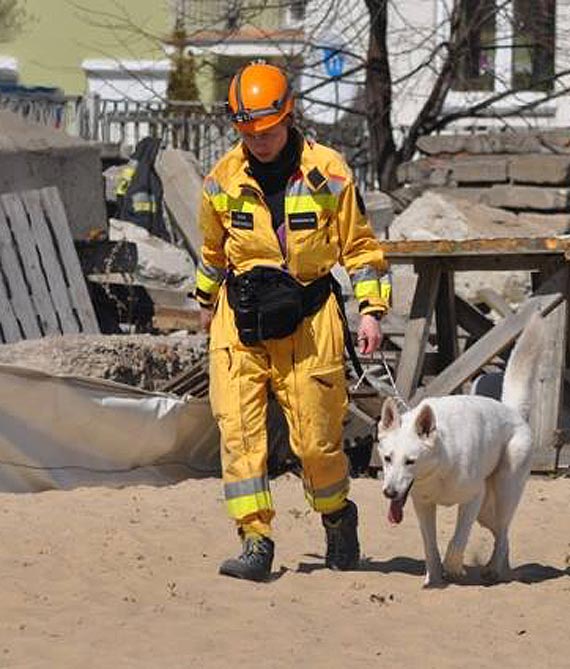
x=522, y=366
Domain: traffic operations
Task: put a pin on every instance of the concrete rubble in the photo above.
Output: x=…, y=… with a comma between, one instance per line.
x=501, y=184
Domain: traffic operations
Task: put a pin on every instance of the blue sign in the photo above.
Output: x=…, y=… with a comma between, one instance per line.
x=333, y=61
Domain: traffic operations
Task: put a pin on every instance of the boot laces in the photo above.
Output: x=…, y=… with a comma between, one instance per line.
x=255, y=549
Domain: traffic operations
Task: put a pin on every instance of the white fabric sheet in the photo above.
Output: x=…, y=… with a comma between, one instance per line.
x=60, y=432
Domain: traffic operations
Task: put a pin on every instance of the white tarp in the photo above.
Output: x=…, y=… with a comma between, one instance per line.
x=62, y=432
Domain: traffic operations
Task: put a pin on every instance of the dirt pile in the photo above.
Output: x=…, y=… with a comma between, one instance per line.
x=145, y=361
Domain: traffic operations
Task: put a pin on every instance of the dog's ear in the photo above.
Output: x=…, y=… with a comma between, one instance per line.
x=425, y=423
x=390, y=418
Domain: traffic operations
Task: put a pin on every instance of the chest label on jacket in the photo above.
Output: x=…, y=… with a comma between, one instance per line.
x=242, y=220
x=304, y=220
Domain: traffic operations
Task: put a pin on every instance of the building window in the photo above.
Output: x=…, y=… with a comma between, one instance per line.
x=296, y=11
x=533, y=44
x=476, y=67
x=509, y=45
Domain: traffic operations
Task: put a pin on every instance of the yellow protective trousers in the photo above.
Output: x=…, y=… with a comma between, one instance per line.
x=306, y=373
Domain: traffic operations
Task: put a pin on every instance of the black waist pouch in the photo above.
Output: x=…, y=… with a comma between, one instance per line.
x=269, y=303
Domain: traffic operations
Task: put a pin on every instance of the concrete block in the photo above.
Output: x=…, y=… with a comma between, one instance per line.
x=551, y=224
x=433, y=145
x=425, y=171
x=540, y=169
x=471, y=193
x=34, y=156
x=530, y=197
x=511, y=142
x=380, y=209
x=486, y=169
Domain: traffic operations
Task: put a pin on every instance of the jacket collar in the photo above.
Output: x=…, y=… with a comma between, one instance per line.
x=312, y=174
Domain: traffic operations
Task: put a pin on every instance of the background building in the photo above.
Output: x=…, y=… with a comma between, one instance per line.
x=109, y=47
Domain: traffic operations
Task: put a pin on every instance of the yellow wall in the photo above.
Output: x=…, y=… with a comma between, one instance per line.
x=62, y=33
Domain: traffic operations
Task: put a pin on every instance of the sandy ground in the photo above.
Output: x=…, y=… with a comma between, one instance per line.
x=128, y=578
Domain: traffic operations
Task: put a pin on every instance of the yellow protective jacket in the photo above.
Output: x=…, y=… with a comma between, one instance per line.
x=325, y=224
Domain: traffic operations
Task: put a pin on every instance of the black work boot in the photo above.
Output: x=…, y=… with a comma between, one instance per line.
x=254, y=563
x=343, y=551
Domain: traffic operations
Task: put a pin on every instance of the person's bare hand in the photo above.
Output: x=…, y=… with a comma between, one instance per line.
x=369, y=334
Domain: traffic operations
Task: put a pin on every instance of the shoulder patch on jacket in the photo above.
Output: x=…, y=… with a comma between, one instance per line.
x=316, y=178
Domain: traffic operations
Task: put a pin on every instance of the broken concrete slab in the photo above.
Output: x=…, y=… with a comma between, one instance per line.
x=182, y=183
x=514, y=142
x=540, y=169
x=479, y=169
x=380, y=209
x=34, y=156
x=157, y=261
x=434, y=216
x=529, y=197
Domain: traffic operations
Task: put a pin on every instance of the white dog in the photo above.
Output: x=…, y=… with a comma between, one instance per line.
x=467, y=450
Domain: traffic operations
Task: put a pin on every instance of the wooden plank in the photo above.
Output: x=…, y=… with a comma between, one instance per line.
x=549, y=295
x=31, y=263
x=51, y=263
x=76, y=281
x=485, y=262
x=10, y=328
x=494, y=246
x=172, y=318
x=446, y=322
x=417, y=331
x=548, y=399
x=474, y=322
x=20, y=299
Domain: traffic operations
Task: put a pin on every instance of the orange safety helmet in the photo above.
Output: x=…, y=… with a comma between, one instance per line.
x=259, y=97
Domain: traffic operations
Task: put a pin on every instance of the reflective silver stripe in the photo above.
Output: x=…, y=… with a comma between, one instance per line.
x=331, y=490
x=247, y=487
x=212, y=187
x=214, y=273
x=335, y=186
x=297, y=188
x=366, y=273
x=143, y=196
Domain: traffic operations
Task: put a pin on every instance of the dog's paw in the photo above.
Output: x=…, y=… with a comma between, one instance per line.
x=490, y=574
x=434, y=580
x=497, y=569
x=453, y=566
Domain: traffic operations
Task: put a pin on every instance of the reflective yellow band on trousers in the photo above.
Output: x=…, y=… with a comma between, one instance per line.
x=244, y=498
x=327, y=500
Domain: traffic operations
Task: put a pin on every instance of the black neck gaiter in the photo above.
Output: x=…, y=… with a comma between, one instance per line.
x=273, y=177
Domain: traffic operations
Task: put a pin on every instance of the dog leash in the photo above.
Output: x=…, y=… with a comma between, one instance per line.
x=378, y=384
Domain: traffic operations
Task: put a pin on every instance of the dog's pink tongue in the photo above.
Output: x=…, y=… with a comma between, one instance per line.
x=396, y=512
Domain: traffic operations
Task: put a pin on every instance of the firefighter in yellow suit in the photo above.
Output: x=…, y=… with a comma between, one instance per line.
x=279, y=204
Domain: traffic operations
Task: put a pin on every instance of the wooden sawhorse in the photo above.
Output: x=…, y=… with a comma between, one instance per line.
x=436, y=263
